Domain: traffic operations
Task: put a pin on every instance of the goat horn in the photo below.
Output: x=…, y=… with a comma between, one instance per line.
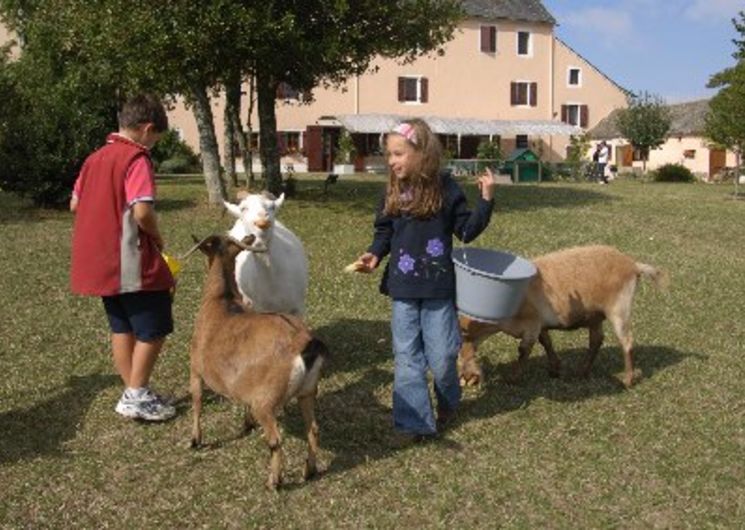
x=194, y=248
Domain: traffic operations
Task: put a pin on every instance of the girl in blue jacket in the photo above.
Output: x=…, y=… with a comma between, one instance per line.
x=415, y=222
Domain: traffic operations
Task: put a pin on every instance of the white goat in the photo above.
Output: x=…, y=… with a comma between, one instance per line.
x=275, y=280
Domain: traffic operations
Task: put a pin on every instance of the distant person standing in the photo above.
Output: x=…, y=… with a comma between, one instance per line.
x=601, y=157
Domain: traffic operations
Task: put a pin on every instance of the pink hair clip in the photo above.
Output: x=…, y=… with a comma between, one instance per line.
x=407, y=131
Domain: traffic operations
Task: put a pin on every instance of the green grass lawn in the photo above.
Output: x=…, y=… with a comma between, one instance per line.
x=566, y=453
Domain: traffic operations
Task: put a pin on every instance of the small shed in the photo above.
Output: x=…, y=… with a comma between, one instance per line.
x=524, y=166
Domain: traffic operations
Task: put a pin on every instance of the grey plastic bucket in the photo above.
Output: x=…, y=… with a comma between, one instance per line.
x=489, y=284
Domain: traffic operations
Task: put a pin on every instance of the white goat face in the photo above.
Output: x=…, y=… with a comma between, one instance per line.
x=257, y=212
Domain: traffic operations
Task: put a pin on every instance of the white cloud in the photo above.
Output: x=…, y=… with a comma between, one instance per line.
x=611, y=25
x=706, y=10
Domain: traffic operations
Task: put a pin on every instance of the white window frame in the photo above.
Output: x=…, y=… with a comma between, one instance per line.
x=569, y=77
x=496, y=39
x=418, y=79
x=530, y=43
x=527, y=93
x=578, y=107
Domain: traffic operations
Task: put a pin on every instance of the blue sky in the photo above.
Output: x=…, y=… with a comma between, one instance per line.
x=667, y=47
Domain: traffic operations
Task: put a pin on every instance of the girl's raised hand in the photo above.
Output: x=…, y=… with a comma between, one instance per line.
x=487, y=183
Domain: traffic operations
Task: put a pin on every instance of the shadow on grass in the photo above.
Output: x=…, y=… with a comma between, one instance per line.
x=42, y=428
x=499, y=395
x=355, y=344
x=357, y=427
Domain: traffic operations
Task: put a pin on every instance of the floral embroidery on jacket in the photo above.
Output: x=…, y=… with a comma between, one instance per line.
x=435, y=247
x=406, y=263
x=429, y=265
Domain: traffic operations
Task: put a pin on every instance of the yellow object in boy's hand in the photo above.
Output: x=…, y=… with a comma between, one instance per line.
x=174, y=264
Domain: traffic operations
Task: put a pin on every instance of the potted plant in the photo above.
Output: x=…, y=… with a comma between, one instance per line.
x=345, y=152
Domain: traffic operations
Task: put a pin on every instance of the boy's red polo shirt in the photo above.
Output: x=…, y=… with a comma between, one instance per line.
x=110, y=254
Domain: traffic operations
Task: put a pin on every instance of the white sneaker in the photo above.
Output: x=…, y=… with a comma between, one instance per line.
x=147, y=406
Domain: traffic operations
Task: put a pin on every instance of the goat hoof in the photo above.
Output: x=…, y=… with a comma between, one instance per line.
x=310, y=470
x=273, y=483
x=471, y=376
x=195, y=444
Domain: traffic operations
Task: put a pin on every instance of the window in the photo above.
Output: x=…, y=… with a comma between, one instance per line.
x=575, y=114
x=413, y=89
x=253, y=143
x=640, y=154
x=689, y=153
x=521, y=141
x=449, y=143
x=488, y=39
x=574, y=77
x=368, y=144
x=524, y=93
x=524, y=43
x=285, y=91
x=288, y=142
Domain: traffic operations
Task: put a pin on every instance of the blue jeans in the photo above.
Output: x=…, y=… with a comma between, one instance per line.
x=425, y=337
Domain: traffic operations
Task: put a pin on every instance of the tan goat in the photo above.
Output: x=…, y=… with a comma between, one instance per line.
x=259, y=359
x=574, y=288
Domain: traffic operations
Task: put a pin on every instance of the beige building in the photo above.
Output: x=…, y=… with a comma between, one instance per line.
x=685, y=145
x=504, y=76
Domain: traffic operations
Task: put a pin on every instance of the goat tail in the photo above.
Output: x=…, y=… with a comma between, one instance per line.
x=659, y=277
x=313, y=350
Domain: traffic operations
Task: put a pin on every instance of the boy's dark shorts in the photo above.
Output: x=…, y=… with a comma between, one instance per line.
x=146, y=314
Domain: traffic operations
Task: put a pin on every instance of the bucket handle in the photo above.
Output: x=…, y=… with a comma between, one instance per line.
x=465, y=254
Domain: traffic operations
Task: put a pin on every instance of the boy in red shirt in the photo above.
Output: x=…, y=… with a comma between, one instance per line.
x=116, y=252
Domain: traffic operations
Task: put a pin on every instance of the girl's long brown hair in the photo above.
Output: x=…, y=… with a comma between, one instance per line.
x=424, y=184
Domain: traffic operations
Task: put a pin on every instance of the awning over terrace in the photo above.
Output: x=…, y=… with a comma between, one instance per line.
x=381, y=123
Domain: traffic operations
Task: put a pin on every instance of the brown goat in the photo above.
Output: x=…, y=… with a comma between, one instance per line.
x=574, y=288
x=259, y=359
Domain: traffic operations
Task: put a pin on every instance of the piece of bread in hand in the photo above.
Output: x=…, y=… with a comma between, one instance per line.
x=357, y=266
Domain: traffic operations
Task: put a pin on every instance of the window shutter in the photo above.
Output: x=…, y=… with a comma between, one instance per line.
x=424, y=90
x=488, y=39
x=565, y=114
x=401, y=89
x=513, y=93
x=533, y=94
x=485, y=42
x=584, y=115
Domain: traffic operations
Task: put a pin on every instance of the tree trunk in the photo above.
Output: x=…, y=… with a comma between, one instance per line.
x=208, y=144
x=738, y=168
x=267, y=90
x=228, y=146
x=233, y=93
x=249, y=127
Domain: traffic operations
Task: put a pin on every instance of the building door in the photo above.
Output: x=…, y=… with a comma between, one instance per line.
x=314, y=147
x=625, y=155
x=717, y=161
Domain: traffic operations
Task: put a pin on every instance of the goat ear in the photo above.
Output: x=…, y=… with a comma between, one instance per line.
x=278, y=203
x=234, y=210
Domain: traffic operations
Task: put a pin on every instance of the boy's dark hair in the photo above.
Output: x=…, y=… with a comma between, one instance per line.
x=143, y=108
